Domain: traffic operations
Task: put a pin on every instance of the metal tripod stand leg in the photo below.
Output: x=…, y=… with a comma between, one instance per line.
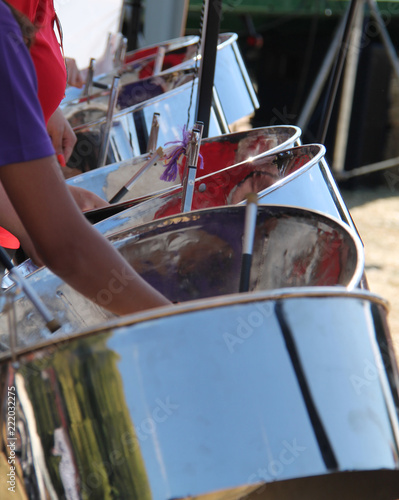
x=314, y=95
x=394, y=60
x=317, y=87
x=348, y=91
x=333, y=62
x=383, y=32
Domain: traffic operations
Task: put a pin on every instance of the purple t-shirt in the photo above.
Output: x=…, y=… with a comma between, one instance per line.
x=23, y=134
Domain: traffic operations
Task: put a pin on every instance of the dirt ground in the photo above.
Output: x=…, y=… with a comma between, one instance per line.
x=376, y=216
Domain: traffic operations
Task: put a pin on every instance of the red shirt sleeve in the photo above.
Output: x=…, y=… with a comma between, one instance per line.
x=27, y=7
x=46, y=53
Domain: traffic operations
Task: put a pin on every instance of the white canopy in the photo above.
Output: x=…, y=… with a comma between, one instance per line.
x=86, y=25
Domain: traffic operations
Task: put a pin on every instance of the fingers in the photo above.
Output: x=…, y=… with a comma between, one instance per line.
x=98, y=202
x=61, y=134
x=55, y=131
x=61, y=160
x=75, y=78
x=86, y=200
x=68, y=140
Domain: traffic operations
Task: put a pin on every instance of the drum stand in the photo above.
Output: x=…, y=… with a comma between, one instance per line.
x=212, y=12
x=345, y=46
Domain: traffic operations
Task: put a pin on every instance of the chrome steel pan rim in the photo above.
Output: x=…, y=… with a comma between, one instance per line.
x=135, y=107
x=292, y=176
x=275, y=210
x=323, y=292
x=172, y=44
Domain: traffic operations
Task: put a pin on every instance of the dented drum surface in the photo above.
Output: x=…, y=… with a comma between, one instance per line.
x=272, y=395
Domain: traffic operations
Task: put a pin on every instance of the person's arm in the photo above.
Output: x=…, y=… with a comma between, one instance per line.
x=9, y=220
x=68, y=244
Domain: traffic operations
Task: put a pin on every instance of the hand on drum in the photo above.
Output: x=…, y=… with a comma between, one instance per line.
x=86, y=200
x=75, y=78
x=61, y=134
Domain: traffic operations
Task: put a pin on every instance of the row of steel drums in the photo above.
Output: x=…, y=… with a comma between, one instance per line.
x=170, y=93
x=288, y=391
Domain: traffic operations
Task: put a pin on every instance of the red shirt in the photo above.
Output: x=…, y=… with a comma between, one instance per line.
x=46, y=53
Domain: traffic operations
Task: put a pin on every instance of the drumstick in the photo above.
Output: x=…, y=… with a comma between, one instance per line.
x=159, y=58
x=89, y=78
x=51, y=323
x=113, y=97
x=154, y=131
x=248, y=243
x=125, y=189
x=100, y=85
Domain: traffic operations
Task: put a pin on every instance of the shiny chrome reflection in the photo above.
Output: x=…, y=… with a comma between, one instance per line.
x=139, y=64
x=234, y=98
x=87, y=110
x=278, y=395
x=217, y=153
x=198, y=254
x=298, y=176
x=131, y=127
x=139, y=82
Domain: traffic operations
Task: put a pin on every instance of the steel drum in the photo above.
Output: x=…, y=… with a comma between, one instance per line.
x=173, y=95
x=199, y=255
x=131, y=127
x=88, y=110
x=138, y=81
x=217, y=153
x=181, y=49
x=140, y=63
x=271, y=395
x=299, y=177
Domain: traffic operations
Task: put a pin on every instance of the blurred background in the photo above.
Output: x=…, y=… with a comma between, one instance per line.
x=290, y=48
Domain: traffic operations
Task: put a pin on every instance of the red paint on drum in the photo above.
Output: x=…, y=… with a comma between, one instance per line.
x=216, y=156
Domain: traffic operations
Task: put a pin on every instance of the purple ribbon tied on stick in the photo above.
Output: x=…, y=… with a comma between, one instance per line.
x=173, y=154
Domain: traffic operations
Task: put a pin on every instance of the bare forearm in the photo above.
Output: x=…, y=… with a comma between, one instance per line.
x=68, y=244
x=10, y=220
x=116, y=286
